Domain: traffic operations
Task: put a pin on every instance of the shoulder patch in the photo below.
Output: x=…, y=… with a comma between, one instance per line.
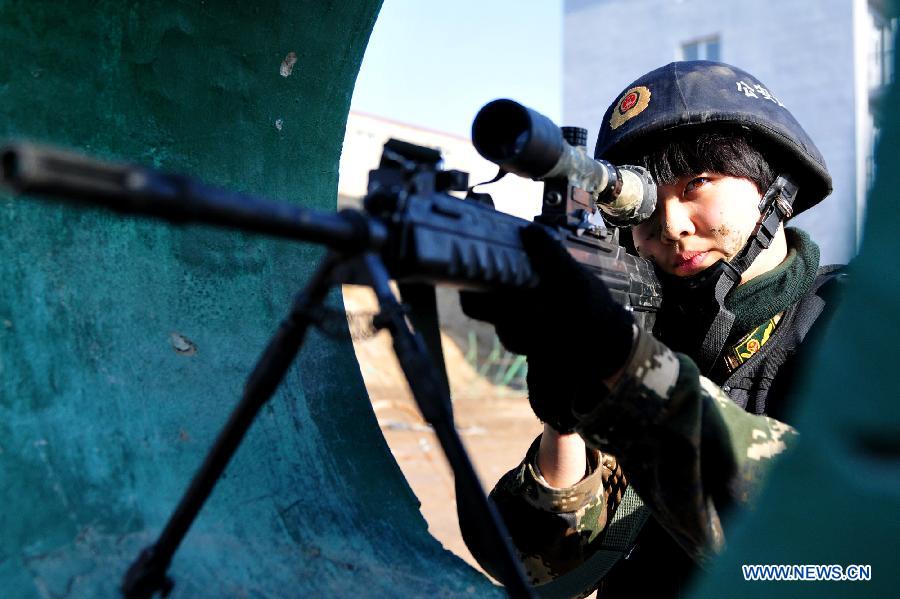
x=632, y=103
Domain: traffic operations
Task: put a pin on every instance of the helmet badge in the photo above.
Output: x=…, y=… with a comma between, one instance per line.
x=632, y=103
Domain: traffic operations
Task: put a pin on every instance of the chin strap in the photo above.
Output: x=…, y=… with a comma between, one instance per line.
x=775, y=207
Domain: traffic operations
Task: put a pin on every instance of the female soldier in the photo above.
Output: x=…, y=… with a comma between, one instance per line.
x=690, y=430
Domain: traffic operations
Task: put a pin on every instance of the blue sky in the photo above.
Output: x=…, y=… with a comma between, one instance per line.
x=434, y=64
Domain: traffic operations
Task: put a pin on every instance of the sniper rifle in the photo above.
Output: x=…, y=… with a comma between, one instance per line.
x=410, y=229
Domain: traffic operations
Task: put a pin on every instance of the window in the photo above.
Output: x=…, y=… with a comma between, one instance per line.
x=702, y=49
x=881, y=57
x=870, y=158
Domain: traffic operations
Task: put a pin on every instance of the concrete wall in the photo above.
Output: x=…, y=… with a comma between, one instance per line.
x=125, y=343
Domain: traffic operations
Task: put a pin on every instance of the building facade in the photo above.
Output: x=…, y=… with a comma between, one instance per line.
x=828, y=62
x=366, y=134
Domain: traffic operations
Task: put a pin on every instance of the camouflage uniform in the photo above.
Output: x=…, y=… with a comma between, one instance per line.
x=657, y=418
x=689, y=447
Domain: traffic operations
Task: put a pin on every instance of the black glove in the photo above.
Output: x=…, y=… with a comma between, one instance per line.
x=572, y=332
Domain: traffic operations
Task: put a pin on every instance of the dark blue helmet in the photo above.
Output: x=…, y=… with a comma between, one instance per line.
x=701, y=93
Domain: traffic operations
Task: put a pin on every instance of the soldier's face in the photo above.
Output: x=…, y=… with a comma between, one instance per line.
x=699, y=220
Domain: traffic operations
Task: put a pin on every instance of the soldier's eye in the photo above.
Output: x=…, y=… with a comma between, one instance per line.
x=696, y=183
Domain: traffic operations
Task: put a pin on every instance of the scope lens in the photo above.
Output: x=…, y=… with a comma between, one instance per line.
x=501, y=130
x=518, y=139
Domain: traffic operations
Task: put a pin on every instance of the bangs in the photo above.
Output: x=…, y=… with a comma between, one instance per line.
x=684, y=153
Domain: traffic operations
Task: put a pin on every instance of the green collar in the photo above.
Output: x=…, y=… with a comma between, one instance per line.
x=761, y=298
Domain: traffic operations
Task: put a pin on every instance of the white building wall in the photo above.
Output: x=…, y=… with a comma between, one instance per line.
x=802, y=50
x=364, y=140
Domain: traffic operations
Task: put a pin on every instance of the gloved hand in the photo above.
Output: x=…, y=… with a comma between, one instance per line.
x=572, y=332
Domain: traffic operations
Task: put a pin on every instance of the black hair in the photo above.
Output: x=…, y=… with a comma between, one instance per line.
x=690, y=151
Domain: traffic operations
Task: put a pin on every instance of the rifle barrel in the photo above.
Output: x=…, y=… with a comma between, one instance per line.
x=35, y=169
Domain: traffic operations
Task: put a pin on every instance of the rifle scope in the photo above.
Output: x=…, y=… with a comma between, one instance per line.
x=523, y=141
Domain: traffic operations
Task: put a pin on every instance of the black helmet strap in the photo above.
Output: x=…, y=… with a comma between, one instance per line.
x=775, y=207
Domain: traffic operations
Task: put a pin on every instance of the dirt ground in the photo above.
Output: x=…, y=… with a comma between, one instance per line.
x=495, y=423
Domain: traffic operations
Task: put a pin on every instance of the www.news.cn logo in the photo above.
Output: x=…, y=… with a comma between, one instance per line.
x=787, y=572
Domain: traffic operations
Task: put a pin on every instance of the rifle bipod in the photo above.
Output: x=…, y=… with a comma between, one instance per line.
x=148, y=574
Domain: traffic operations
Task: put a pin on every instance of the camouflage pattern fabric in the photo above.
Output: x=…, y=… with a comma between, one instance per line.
x=687, y=449
x=555, y=530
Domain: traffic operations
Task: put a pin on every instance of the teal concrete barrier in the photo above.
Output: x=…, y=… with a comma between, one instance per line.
x=124, y=343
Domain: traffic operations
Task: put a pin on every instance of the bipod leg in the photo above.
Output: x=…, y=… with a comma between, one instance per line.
x=430, y=391
x=147, y=575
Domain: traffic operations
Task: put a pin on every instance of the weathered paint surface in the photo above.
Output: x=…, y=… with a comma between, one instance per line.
x=124, y=343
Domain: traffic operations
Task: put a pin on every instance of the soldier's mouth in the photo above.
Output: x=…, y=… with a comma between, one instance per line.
x=689, y=262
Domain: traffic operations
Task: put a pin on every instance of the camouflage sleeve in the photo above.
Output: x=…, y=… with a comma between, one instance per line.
x=555, y=530
x=689, y=451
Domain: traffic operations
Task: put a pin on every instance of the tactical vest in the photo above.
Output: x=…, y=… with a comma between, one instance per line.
x=760, y=384
x=654, y=564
